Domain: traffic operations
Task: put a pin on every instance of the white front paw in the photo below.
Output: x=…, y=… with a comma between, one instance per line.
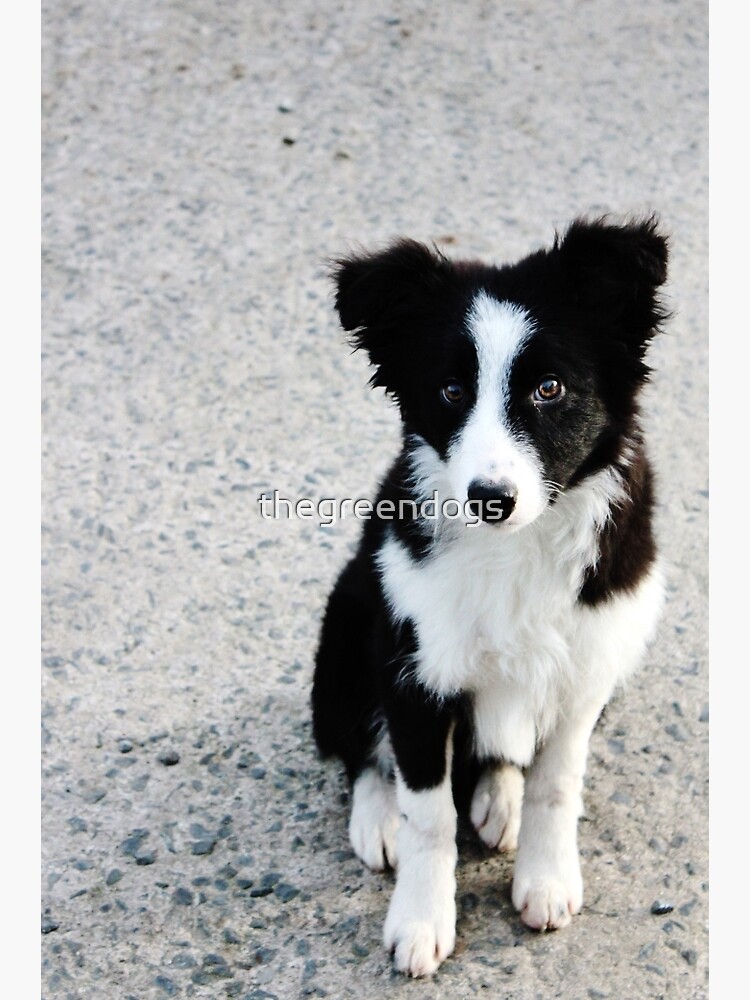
x=420, y=932
x=496, y=807
x=547, y=896
x=374, y=821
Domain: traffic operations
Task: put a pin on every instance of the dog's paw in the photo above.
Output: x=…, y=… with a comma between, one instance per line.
x=496, y=807
x=546, y=901
x=374, y=821
x=419, y=940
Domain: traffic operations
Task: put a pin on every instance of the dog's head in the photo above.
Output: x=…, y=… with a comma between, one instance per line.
x=513, y=382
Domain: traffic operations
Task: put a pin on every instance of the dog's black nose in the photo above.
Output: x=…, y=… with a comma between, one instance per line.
x=493, y=502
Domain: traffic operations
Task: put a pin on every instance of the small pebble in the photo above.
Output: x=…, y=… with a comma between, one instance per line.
x=169, y=758
x=183, y=961
x=216, y=965
x=49, y=925
x=660, y=907
x=286, y=892
x=125, y=746
x=206, y=846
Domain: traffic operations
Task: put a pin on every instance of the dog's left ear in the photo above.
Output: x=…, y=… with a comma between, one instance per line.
x=615, y=270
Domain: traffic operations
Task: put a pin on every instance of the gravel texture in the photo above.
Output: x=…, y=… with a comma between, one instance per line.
x=202, y=160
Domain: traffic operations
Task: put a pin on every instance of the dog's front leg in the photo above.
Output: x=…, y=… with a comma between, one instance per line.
x=420, y=928
x=547, y=884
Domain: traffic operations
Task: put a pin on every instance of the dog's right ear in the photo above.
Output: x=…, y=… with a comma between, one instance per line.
x=382, y=288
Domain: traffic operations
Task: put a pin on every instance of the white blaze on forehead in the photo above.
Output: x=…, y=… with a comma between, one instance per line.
x=487, y=448
x=499, y=330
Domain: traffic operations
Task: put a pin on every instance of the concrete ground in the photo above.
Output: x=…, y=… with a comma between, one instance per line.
x=202, y=160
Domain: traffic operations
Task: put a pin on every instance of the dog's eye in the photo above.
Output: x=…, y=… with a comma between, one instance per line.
x=452, y=392
x=548, y=389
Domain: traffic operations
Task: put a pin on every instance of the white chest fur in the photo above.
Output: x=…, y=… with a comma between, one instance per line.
x=496, y=617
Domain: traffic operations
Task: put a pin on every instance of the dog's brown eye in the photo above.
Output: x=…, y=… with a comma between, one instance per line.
x=452, y=392
x=548, y=389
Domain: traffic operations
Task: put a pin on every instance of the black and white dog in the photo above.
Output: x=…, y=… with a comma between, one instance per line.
x=472, y=656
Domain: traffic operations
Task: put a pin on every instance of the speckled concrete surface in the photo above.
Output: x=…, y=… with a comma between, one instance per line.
x=202, y=159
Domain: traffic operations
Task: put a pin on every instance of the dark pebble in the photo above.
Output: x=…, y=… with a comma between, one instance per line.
x=183, y=961
x=350, y=925
x=311, y=967
x=166, y=984
x=114, y=876
x=286, y=892
x=216, y=965
x=656, y=969
x=125, y=746
x=203, y=846
x=49, y=925
x=244, y=883
x=261, y=890
x=131, y=845
x=690, y=956
x=183, y=897
x=230, y=937
x=169, y=758
x=265, y=955
x=675, y=732
x=659, y=907
x=147, y=858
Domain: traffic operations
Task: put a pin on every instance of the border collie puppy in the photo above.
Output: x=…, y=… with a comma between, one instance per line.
x=466, y=660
